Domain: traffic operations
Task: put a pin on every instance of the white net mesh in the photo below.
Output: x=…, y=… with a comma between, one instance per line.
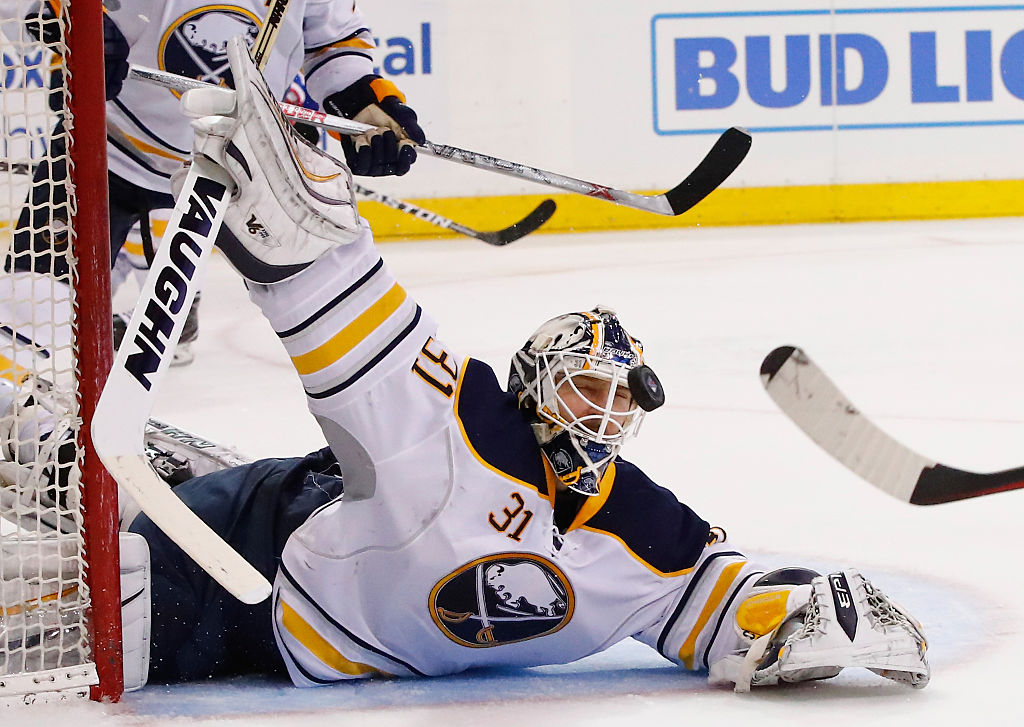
x=44, y=595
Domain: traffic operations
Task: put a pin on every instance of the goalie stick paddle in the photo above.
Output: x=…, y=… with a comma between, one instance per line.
x=728, y=151
x=541, y=214
x=118, y=427
x=816, y=405
x=146, y=351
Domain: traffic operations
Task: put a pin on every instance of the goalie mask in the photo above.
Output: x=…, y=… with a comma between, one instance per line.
x=582, y=382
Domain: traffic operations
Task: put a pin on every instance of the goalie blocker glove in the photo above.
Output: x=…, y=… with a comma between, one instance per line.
x=374, y=100
x=801, y=626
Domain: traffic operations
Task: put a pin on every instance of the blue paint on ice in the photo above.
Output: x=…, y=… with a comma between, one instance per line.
x=955, y=621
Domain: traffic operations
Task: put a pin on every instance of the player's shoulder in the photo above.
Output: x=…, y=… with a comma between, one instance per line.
x=650, y=520
x=494, y=429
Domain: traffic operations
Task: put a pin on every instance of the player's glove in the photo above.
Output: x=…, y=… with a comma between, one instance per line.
x=801, y=631
x=46, y=28
x=374, y=100
x=115, y=58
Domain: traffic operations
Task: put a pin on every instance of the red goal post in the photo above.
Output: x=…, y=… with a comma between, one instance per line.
x=69, y=615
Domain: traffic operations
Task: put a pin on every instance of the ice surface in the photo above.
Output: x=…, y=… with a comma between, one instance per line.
x=919, y=323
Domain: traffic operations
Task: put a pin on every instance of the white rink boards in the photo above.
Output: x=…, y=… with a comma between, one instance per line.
x=919, y=323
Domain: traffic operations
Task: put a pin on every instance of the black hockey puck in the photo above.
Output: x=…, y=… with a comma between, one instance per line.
x=646, y=388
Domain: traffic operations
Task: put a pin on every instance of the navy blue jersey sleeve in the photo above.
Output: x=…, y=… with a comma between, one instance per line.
x=651, y=521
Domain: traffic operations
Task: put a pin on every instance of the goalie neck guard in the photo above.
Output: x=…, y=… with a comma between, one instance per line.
x=581, y=381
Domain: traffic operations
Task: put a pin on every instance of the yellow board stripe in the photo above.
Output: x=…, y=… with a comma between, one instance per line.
x=319, y=647
x=729, y=206
x=349, y=337
x=717, y=594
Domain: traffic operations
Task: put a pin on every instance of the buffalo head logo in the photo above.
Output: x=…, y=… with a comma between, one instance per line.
x=501, y=599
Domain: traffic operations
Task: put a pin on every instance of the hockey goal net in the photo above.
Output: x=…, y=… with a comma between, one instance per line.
x=60, y=621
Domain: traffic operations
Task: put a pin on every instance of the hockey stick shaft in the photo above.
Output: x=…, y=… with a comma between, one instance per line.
x=816, y=405
x=541, y=214
x=260, y=50
x=727, y=153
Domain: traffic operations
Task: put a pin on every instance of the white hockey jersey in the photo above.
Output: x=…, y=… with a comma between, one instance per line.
x=442, y=554
x=149, y=138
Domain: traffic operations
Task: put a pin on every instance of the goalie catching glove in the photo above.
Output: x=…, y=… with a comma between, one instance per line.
x=292, y=202
x=801, y=626
x=388, y=150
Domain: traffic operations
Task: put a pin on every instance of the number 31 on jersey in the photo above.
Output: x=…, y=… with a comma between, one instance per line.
x=436, y=366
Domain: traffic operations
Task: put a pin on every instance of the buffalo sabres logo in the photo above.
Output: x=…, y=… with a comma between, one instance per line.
x=195, y=45
x=501, y=599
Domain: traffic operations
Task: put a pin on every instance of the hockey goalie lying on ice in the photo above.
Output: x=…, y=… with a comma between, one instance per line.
x=475, y=526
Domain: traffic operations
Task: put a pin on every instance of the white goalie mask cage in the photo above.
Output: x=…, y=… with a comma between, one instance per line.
x=564, y=357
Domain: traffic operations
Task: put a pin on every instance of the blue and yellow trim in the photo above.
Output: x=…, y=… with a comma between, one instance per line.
x=320, y=647
x=729, y=206
x=351, y=335
x=487, y=465
x=722, y=588
x=636, y=556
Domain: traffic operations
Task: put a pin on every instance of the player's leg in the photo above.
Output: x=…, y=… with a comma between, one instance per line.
x=198, y=629
x=40, y=235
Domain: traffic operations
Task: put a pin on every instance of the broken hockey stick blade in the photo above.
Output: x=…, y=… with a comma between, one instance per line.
x=727, y=153
x=816, y=405
x=140, y=365
x=541, y=214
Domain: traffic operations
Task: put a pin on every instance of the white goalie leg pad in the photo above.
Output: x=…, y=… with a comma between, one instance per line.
x=42, y=603
x=846, y=622
x=293, y=202
x=135, y=609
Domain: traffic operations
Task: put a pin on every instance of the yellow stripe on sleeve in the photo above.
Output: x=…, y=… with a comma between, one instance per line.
x=134, y=248
x=349, y=337
x=319, y=647
x=717, y=594
x=155, y=150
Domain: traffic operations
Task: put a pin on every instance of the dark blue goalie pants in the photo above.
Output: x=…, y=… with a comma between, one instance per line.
x=198, y=629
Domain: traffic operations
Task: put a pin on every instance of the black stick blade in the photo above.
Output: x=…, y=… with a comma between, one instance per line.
x=941, y=484
x=524, y=227
x=727, y=153
x=774, y=360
